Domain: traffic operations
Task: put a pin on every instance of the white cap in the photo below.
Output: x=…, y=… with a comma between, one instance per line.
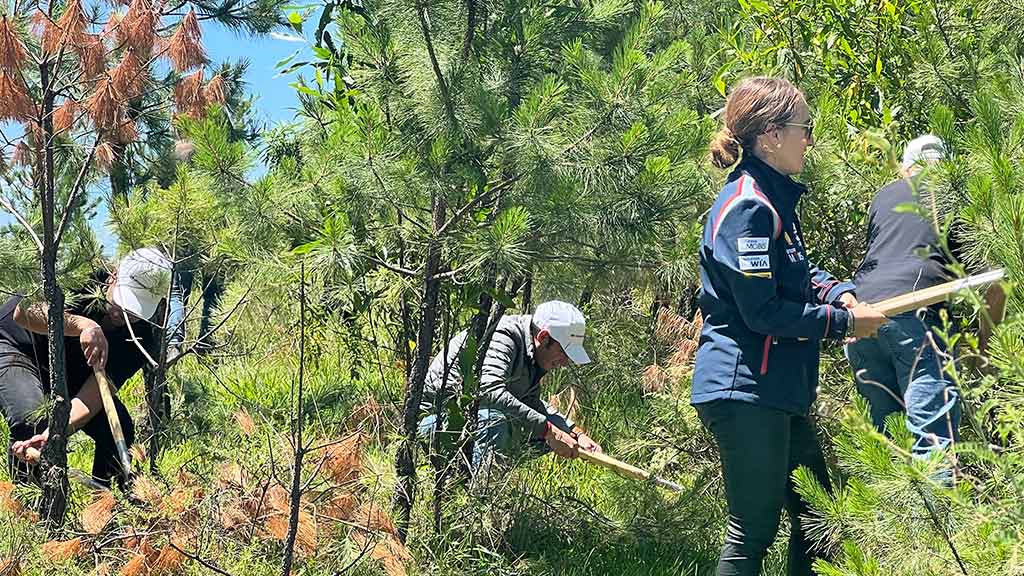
x=143, y=279
x=566, y=324
x=924, y=149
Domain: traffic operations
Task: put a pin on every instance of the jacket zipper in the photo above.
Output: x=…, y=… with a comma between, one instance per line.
x=764, y=358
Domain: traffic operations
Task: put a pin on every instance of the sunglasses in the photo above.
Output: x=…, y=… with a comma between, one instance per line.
x=808, y=127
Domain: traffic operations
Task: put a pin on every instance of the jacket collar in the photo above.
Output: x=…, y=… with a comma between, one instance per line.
x=526, y=325
x=782, y=190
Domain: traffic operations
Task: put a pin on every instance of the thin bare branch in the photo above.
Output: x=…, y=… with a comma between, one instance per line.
x=76, y=188
x=497, y=187
x=195, y=558
x=393, y=267
x=21, y=220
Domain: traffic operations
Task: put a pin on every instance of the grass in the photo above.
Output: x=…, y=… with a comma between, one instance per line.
x=546, y=516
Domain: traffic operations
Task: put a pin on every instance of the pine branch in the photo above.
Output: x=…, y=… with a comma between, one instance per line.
x=467, y=43
x=938, y=525
x=498, y=187
x=24, y=223
x=442, y=85
x=393, y=267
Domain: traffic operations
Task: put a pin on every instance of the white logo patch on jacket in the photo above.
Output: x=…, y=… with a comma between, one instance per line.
x=752, y=244
x=749, y=263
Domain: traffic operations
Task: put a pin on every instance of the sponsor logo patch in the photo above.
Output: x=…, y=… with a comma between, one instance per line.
x=753, y=244
x=751, y=263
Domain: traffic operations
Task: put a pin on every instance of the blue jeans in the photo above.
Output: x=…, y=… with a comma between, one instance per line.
x=212, y=290
x=498, y=435
x=899, y=370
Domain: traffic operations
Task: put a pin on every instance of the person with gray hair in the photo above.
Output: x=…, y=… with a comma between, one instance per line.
x=902, y=368
x=512, y=417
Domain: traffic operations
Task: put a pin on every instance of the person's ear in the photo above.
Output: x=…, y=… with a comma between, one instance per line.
x=542, y=337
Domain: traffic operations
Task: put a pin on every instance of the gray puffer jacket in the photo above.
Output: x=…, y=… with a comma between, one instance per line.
x=509, y=381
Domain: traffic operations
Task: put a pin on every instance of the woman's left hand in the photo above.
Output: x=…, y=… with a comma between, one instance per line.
x=848, y=300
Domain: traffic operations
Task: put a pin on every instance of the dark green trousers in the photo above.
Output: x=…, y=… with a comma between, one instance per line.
x=760, y=448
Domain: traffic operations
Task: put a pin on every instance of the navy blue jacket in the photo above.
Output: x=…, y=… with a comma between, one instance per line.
x=766, y=308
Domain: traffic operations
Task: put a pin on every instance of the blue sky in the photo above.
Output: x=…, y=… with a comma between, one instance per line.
x=275, y=100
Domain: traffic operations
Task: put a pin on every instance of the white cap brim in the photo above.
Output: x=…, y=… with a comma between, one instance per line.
x=577, y=353
x=137, y=302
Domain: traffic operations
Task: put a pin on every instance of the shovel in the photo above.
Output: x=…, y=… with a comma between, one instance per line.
x=938, y=293
x=107, y=394
x=628, y=470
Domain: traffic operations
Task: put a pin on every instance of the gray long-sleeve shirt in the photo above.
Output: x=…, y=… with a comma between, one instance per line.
x=509, y=380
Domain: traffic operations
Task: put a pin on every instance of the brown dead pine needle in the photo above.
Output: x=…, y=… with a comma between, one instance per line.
x=168, y=562
x=343, y=461
x=185, y=47
x=136, y=566
x=14, y=100
x=233, y=517
x=137, y=29
x=97, y=515
x=10, y=567
x=245, y=422
x=214, y=91
x=655, y=379
x=146, y=490
x=389, y=551
x=231, y=475
x=276, y=525
x=179, y=500
x=62, y=550
x=373, y=518
x=340, y=507
x=92, y=55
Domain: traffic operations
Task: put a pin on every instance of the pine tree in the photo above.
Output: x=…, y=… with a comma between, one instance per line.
x=504, y=142
x=68, y=74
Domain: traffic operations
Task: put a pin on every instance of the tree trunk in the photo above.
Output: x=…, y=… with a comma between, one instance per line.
x=158, y=401
x=405, y=463
x=55, y=458
x=402, y=345
x=437, y=459
x=689, y=302
x=53, y=506
x=586, y=295
x=300, y=450
x=528, y=294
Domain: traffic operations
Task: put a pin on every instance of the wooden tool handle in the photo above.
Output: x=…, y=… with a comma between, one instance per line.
x=33, y=455
x=934, y=294
x=107, y=394
x=606, y=461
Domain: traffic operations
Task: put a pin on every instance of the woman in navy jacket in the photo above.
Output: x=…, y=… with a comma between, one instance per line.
x=766, y=310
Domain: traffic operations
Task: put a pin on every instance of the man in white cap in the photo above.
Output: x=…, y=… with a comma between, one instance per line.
x=97, y=336
x=512, y=415
x=901, y=369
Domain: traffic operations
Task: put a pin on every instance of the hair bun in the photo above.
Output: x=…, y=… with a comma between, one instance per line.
x=725, y=149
